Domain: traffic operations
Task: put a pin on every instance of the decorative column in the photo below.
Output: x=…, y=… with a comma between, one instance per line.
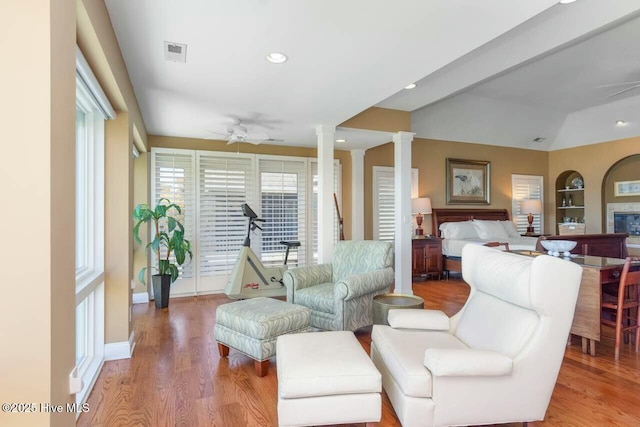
x=357, y=194
x=402, y=171
x=326, y=138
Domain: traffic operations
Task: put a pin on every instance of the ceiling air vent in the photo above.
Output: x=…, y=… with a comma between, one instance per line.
x=175, y=52
x=539, y=139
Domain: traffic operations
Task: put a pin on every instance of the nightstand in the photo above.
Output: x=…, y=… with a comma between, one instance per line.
x=426, y=256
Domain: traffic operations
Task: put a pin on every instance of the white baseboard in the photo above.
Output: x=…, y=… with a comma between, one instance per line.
x=120, y=350
x=140, y=298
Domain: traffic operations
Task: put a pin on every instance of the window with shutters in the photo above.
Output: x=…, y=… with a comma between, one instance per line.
x=225, y=183
x=283, y=206
x=173, y=179
x=526, y=187
x=313, y=241
x=212, y=186
x=384, y=201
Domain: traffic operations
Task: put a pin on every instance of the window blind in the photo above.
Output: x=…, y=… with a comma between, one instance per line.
x=526, y=187
x=283, y=201
x=173, y=179
x=384, y=201
x=313, y=241
x=225, y=183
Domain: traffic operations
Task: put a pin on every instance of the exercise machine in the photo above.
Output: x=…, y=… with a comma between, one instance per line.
x=249, y=277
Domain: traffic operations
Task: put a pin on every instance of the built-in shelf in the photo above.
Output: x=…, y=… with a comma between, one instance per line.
x=570, y=207
x=564, y=190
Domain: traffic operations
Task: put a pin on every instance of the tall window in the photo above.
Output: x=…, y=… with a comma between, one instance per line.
x=384, y=201
x=92, y=109
x=526, y=187
x=276, y=187
x=283, y=204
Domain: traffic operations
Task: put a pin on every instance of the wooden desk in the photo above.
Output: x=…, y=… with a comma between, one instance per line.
x=596, y=272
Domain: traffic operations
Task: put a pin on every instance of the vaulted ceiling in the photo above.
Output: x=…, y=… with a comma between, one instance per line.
x=472, y=61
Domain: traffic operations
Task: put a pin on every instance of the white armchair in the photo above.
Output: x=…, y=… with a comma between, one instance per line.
x=495, y=361
x=340, y=294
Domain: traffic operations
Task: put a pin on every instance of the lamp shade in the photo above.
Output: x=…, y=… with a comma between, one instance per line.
x=531, y=206
x=421, y=205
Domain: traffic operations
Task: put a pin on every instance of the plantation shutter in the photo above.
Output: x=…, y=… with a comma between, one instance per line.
x=283, y=201
x=173, y=179
x=225, y=183
x=313, y=246
x=384, y=201
x=526, y=187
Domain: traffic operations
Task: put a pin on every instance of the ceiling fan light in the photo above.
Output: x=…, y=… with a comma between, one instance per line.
x=277, y=58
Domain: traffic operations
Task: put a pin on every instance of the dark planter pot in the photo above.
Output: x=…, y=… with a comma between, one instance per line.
x=161, y=287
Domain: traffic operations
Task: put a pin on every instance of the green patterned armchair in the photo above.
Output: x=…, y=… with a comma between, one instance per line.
x=340, y=294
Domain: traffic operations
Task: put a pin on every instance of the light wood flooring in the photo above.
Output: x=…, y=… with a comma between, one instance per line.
x=176, y=377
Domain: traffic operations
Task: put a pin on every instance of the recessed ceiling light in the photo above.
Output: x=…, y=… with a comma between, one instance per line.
x=411, y=86
x=277, y=57
x=620, y=123
x=341, y=140
x=566, y=1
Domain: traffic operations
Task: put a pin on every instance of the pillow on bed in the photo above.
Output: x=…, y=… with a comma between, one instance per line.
x=490, y=230
x=458, y=230
x=510, y=228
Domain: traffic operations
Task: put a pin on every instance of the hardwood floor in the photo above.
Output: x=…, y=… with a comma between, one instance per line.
x=176, y=377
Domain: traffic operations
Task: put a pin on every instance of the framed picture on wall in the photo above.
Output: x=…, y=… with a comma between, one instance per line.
x=468, y=182
x=626, y=188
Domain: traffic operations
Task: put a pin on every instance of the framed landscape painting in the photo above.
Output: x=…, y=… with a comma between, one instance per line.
x=468, y=182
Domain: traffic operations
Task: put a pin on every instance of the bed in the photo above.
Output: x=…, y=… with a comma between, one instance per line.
x=461, y=227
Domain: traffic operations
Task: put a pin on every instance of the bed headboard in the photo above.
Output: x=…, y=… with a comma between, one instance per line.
x=439, y=216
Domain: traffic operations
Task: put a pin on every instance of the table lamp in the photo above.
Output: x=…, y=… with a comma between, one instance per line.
x=533, y=206
x=419, y=206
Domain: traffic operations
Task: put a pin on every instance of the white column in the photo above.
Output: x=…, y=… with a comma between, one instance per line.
x=326, y=138
x=357, y=194
x=402, y=170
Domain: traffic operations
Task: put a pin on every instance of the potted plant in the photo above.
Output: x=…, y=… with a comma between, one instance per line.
x=169, y=239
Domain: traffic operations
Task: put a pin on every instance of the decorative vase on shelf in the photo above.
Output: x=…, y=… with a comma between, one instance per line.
x=564, y=201
x=570, y=201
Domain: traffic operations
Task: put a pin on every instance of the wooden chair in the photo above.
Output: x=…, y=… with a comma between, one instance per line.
x=496, y=244
x=625, y=306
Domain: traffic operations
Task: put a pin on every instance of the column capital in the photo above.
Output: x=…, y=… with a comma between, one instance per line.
x=403, y=136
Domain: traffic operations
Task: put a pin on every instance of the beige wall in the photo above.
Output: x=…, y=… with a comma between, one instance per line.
x=592, y=162
x=38, y=123
x=429, y=157
x=203, y=144
x=98, y=43
x=381, y=119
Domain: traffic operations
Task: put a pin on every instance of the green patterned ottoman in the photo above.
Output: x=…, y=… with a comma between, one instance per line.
x=252, y=326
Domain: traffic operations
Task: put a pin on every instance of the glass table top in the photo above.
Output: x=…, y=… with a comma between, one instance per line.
x=584, y=260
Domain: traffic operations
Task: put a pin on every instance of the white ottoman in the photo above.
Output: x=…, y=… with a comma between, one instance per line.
x=253, y=325
x=326, y=378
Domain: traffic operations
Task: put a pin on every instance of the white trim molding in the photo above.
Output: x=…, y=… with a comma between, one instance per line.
x=120, y=350
x=140, y=298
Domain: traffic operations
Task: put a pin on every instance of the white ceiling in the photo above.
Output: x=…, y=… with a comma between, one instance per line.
x=471, y=59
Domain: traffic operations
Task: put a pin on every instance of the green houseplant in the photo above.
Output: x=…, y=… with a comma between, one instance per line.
x=169, y=239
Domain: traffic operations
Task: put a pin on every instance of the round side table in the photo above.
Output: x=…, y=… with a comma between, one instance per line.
x=385, y=302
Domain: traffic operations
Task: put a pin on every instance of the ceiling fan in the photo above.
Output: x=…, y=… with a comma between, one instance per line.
x=237, y=132
x=632, y=85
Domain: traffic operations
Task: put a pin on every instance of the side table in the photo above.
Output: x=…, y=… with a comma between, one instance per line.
x=385, y=302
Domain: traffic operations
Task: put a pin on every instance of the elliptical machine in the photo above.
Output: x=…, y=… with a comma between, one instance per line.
x=249, y=277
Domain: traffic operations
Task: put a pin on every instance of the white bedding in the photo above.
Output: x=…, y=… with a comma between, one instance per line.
x=453, y=247
x=456, y=235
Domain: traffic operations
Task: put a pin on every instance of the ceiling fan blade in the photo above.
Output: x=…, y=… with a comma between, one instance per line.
x=623, y=91
x=618, y=84
x=257, y=136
